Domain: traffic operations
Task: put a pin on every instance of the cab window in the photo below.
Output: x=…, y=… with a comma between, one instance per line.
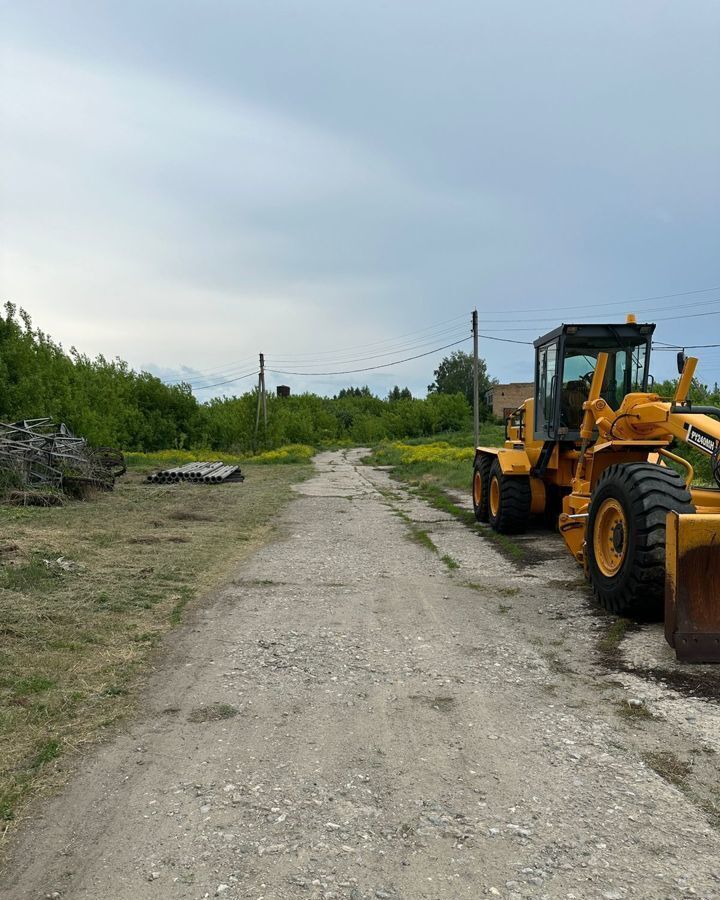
x=625, y=373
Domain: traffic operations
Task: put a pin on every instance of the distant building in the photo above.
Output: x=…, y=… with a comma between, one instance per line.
x=283, y=390
x=505, y=398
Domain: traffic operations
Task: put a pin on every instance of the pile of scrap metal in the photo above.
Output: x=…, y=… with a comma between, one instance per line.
x=199, y=472
x=39, y=457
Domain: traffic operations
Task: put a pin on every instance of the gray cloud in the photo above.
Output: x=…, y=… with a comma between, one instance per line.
x=187, y=184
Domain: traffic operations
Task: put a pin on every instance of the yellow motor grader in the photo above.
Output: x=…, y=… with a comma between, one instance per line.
x=590, y=452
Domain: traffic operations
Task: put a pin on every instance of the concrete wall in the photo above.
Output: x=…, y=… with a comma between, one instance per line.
x=504, y=398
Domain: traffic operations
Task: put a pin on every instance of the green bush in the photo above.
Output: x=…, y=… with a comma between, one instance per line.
x=110, y=404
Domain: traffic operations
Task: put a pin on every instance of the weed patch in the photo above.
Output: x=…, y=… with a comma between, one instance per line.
x=668, y=766
x=433, y=467
x=33, y=684
x=437, y=498
x=423, y=538
x=634, y=711
x=290, y=454
x=33, y=575
x=446, y=462
x=609, y=643
x=214, y=713
x=47, y=752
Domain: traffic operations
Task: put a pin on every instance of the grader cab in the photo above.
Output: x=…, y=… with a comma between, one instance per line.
x=590, y=453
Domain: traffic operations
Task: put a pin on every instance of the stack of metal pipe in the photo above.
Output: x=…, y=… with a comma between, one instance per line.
x=205, y=472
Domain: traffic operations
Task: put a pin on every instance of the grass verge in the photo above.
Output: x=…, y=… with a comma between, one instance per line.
x=436, y=496
x=87, y=590
x=446, y=463
x=434, y=467
x=291, y=454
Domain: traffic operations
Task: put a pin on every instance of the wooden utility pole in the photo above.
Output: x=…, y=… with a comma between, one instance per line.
x=262, y=396
x=264, y=392
x=476, y=379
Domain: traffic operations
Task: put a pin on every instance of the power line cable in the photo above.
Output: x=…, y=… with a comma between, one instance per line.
x=489, y=337
x=235, y=364
x=389, y=340
x=398, y=350
x=578, y=322
x=206, y=387
x=651, y=312
x=454, y=333
x=619, y=302
x=294, y=360
x=672, y=348
x=204, y=374
x=688, y=316
x=215, y=371
x=372, y=368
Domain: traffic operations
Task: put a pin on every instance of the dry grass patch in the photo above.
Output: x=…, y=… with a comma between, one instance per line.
x=633, y=710
x=214, y=713
x=189, y=515
x=88, y=589
x=668, y=766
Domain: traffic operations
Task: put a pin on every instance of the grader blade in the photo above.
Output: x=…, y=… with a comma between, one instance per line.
x=692, y=587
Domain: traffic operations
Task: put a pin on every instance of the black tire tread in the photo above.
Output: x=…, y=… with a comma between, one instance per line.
x=482, y=464
x=654, y=491
x=515, y=502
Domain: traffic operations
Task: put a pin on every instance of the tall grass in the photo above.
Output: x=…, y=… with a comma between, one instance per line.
x=446, y=463
x=290, y=454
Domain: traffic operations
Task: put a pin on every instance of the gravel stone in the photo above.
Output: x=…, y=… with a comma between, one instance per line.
x=402, y=730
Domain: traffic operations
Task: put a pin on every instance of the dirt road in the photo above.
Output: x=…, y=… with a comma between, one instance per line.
x=355, y=717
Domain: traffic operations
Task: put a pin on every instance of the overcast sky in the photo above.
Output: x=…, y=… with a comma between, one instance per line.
x=338, y=183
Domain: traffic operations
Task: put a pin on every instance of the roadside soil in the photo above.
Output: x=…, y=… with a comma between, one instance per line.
x=381, y=704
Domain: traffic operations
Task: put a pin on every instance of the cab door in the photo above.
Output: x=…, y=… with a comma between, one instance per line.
x=546, y=392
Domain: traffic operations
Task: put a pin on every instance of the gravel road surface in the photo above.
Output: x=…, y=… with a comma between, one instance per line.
x=354, y=716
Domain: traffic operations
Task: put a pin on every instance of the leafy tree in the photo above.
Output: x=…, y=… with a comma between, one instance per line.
x=699, y=392
x=454, y=375
x=354, y=392
x=397, y=394
x=108, y=403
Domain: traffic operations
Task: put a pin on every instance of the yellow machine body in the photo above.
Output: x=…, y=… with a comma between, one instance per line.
x=604, y=490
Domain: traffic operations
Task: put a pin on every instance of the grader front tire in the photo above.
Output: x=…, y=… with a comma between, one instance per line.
x=510, y=500
x=626, y=536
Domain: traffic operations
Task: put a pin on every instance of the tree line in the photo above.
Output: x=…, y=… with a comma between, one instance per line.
x=111, y=404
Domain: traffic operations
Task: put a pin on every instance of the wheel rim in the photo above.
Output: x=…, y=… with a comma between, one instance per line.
x=610, y=537
x=494, y=496
x=477, y=489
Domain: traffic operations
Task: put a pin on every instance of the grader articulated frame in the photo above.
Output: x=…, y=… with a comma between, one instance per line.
x=590, y=452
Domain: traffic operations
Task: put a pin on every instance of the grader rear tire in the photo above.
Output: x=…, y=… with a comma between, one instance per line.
x=480, y=487
x=509, y=499
x=626, y=536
